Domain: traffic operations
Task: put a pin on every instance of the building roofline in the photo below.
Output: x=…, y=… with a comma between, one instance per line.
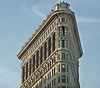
x=52, y=15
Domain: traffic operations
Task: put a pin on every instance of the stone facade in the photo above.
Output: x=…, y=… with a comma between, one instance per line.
x=50, y=58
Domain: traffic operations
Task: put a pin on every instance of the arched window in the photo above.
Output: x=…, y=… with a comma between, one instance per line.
x=63, y=67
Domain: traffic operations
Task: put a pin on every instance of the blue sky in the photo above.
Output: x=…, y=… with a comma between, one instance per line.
x=20, y=18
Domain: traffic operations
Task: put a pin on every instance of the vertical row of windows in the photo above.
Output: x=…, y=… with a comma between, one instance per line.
x=38, y=61
x=62, y=34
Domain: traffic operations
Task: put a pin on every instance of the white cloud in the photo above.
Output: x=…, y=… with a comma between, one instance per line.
x=36, y=11
x=88, y=20
x=33, y=9
x=28, y=11
x=9, y=77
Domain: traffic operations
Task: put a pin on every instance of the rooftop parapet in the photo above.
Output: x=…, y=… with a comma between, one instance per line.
x=61, y=6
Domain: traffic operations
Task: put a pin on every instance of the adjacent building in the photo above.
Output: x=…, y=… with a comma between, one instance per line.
x=50, y=58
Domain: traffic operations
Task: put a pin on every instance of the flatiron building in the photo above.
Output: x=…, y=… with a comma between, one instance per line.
x=50, y=58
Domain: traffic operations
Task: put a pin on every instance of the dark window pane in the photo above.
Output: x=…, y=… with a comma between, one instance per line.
x=63, y=67
x=63, y=79
x=41, y=55
x=37, y=59
x=49, y=46
x=63, y=19
x=63, y=31
x=63, y=56
x=30, y=67
x=33, y=63
x=26, y=70
x=45, y=51
x=63, y=43
x=54, y=42
x=23, y=74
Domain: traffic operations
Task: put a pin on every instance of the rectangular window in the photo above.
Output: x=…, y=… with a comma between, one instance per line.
x=63, y=67
x=58, y=79
x=67, y=68
x=67, y=79
x=49, y=46
x=54, y=71
x=63, y=87
x=26, y=70
x=45, y=51
x=63, y=56
x=53, y=42
x=33, y=63
x=63, y=79
x=30, y=67
x=41, y=55
x=63, y=31
x=37, y=59
x=63, y=19
x=23, y=74
x=63, y=43
x=54, y=82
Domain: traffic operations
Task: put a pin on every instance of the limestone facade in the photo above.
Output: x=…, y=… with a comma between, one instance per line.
x=50, y=58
